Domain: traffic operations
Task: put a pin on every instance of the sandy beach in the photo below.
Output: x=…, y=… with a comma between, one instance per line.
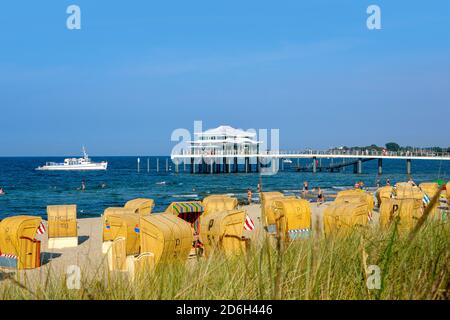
x=88, y=255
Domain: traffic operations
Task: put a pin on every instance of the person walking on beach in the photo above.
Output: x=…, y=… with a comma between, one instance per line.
x=320, y=196
x=249, y=196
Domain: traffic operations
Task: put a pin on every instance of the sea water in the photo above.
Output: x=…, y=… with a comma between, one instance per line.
x=29, y=191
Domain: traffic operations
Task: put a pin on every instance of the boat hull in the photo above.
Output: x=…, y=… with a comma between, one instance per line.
x=96, y=166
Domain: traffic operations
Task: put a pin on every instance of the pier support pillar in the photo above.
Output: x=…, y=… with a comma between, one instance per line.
x=380, y=166
x=258, y=164
x=408, y=166
x=357, y=167
x=236, y=165
x=246, y=164
x=314, y=165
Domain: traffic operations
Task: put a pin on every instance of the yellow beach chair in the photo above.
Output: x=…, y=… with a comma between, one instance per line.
x=356, y=196
x=341, y=218
x=107, y=236
x=267, y=215
x=383, y=193
x=18, y=246
x=292, y=218
x=218, y=203
x=62, y=226
x=223, y=231
x=407, y=210
x=125, y=231
x=167, y=237
x=142, y=206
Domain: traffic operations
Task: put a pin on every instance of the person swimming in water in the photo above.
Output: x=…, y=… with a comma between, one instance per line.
x=2, y=192
x=83, y=185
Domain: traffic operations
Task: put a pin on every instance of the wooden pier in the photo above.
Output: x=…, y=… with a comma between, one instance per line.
x=217, y=161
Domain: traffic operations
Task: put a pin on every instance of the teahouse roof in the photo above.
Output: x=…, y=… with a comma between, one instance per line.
x=228, y=132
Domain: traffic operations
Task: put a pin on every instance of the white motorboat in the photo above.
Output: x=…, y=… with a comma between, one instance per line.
x=84, y=163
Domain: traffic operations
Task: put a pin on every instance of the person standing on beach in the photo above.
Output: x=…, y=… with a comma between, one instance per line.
x=259, y=188
x=249, y=196
x=388, y=182
x=305, y=188
x=320, y=196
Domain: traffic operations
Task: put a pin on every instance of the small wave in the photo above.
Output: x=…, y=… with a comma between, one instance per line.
x=161, y=183
x=185, y=196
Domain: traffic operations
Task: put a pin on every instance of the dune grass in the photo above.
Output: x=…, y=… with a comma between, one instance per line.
x=316, y=268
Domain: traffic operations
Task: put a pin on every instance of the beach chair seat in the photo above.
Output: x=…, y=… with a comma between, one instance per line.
x=167, y=237
x=62, y=226
x=341, y=218
x=223, y=231
x=141, y=206
x=18, y=246
x=292, y=218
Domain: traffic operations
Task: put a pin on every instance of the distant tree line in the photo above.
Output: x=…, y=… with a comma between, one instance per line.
x=393, y=146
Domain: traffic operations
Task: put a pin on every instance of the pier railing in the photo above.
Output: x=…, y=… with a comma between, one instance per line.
x=314, y=153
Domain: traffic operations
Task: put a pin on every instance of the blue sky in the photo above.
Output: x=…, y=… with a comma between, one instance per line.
x=137, y=70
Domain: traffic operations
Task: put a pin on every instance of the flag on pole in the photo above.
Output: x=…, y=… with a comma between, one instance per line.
x=41, y=228
x=426, y=199
x=249, y=225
